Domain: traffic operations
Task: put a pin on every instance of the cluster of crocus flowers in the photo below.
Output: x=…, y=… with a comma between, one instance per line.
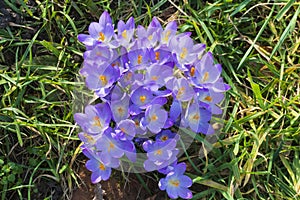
x=150, y=82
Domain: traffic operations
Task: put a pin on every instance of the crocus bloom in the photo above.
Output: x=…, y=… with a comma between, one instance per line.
x=176, y=183
x=182, y=48
x=99, y=170
x=141, y=97
x=120, y=108
x=125, y=32
x=206, y=71
x=92, y=121
x=181, y=89
x=112, y=147
x=198, y=119
x=160, y=154
x=210, y=98
x=155, y=118
x=127, y=127
x=101, y=32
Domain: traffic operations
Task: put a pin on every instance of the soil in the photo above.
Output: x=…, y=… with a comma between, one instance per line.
x=115, y=188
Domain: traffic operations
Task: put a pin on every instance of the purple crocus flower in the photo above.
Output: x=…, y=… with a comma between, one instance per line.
x=100, y=32
x=112, y=147
x=176, y=183
x=198, y=119
x=182, y=47
x=138, y=59
x=181, y=89
x=206, y=71
x=157, y=75
x=125, y=32
x=164, y=135
x=99, y=170
x=101, y=77
x=168, y=33
x=127, y=129
x=88, y=139
x=210, y=98
x=141, y=97
x=100, y=54
x=149, y=37
x=155, y=118
x=160, y=154
x=92, y=121
x=120, y=108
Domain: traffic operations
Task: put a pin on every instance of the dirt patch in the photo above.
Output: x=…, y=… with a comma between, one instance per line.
x=117, y=188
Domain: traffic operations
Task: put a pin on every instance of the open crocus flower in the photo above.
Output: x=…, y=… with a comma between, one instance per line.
x=100, y=32
x=150, y=82
x=176, y=183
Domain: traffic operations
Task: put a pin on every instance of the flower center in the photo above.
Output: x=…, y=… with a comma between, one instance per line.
x=166, y=38
x=124, y=34
x=111, y=146
x=97, y=121
x=208, y=98
x=158, y=152
x=102, y=167
x=154, y=78
x=89, y=138
x=154, y=117
x=157, y=54
x=121, y=111
x=180, y=92
x=164, y=138
x=183, y=53
x=192, y=71
x=103, y=79
x=196, y=117
x=205, y=77
x=174, y=183
x=139, y=60
x=101, y=36
x=143, y=98
x=150, y=37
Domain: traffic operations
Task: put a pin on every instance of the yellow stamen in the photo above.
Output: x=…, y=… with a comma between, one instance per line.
x=99, y=53
x=89, y=138
x=111, y=146
x=180, y=92
x=166, y=38
x=101, y=36
x=128, y=76
x=174, y=183
x=139, y=60
x=143, y=98
x=154, y=78
x=103, y=79
x=205, y=77
x=102, y=167
x=97, y=121
x=150, y=37
x=157, y=54
x=158, y=152
x=183, y=53
x=196, y=117
x=137, y=123
x=120, y=111
x=123, y=130
x=115, y=64
x=192, y=71
x=124, y=34
x=154, y=117
x=164, y=138
x=208, y=98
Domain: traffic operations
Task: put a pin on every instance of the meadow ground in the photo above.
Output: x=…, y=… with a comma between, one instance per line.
x=256, y=155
